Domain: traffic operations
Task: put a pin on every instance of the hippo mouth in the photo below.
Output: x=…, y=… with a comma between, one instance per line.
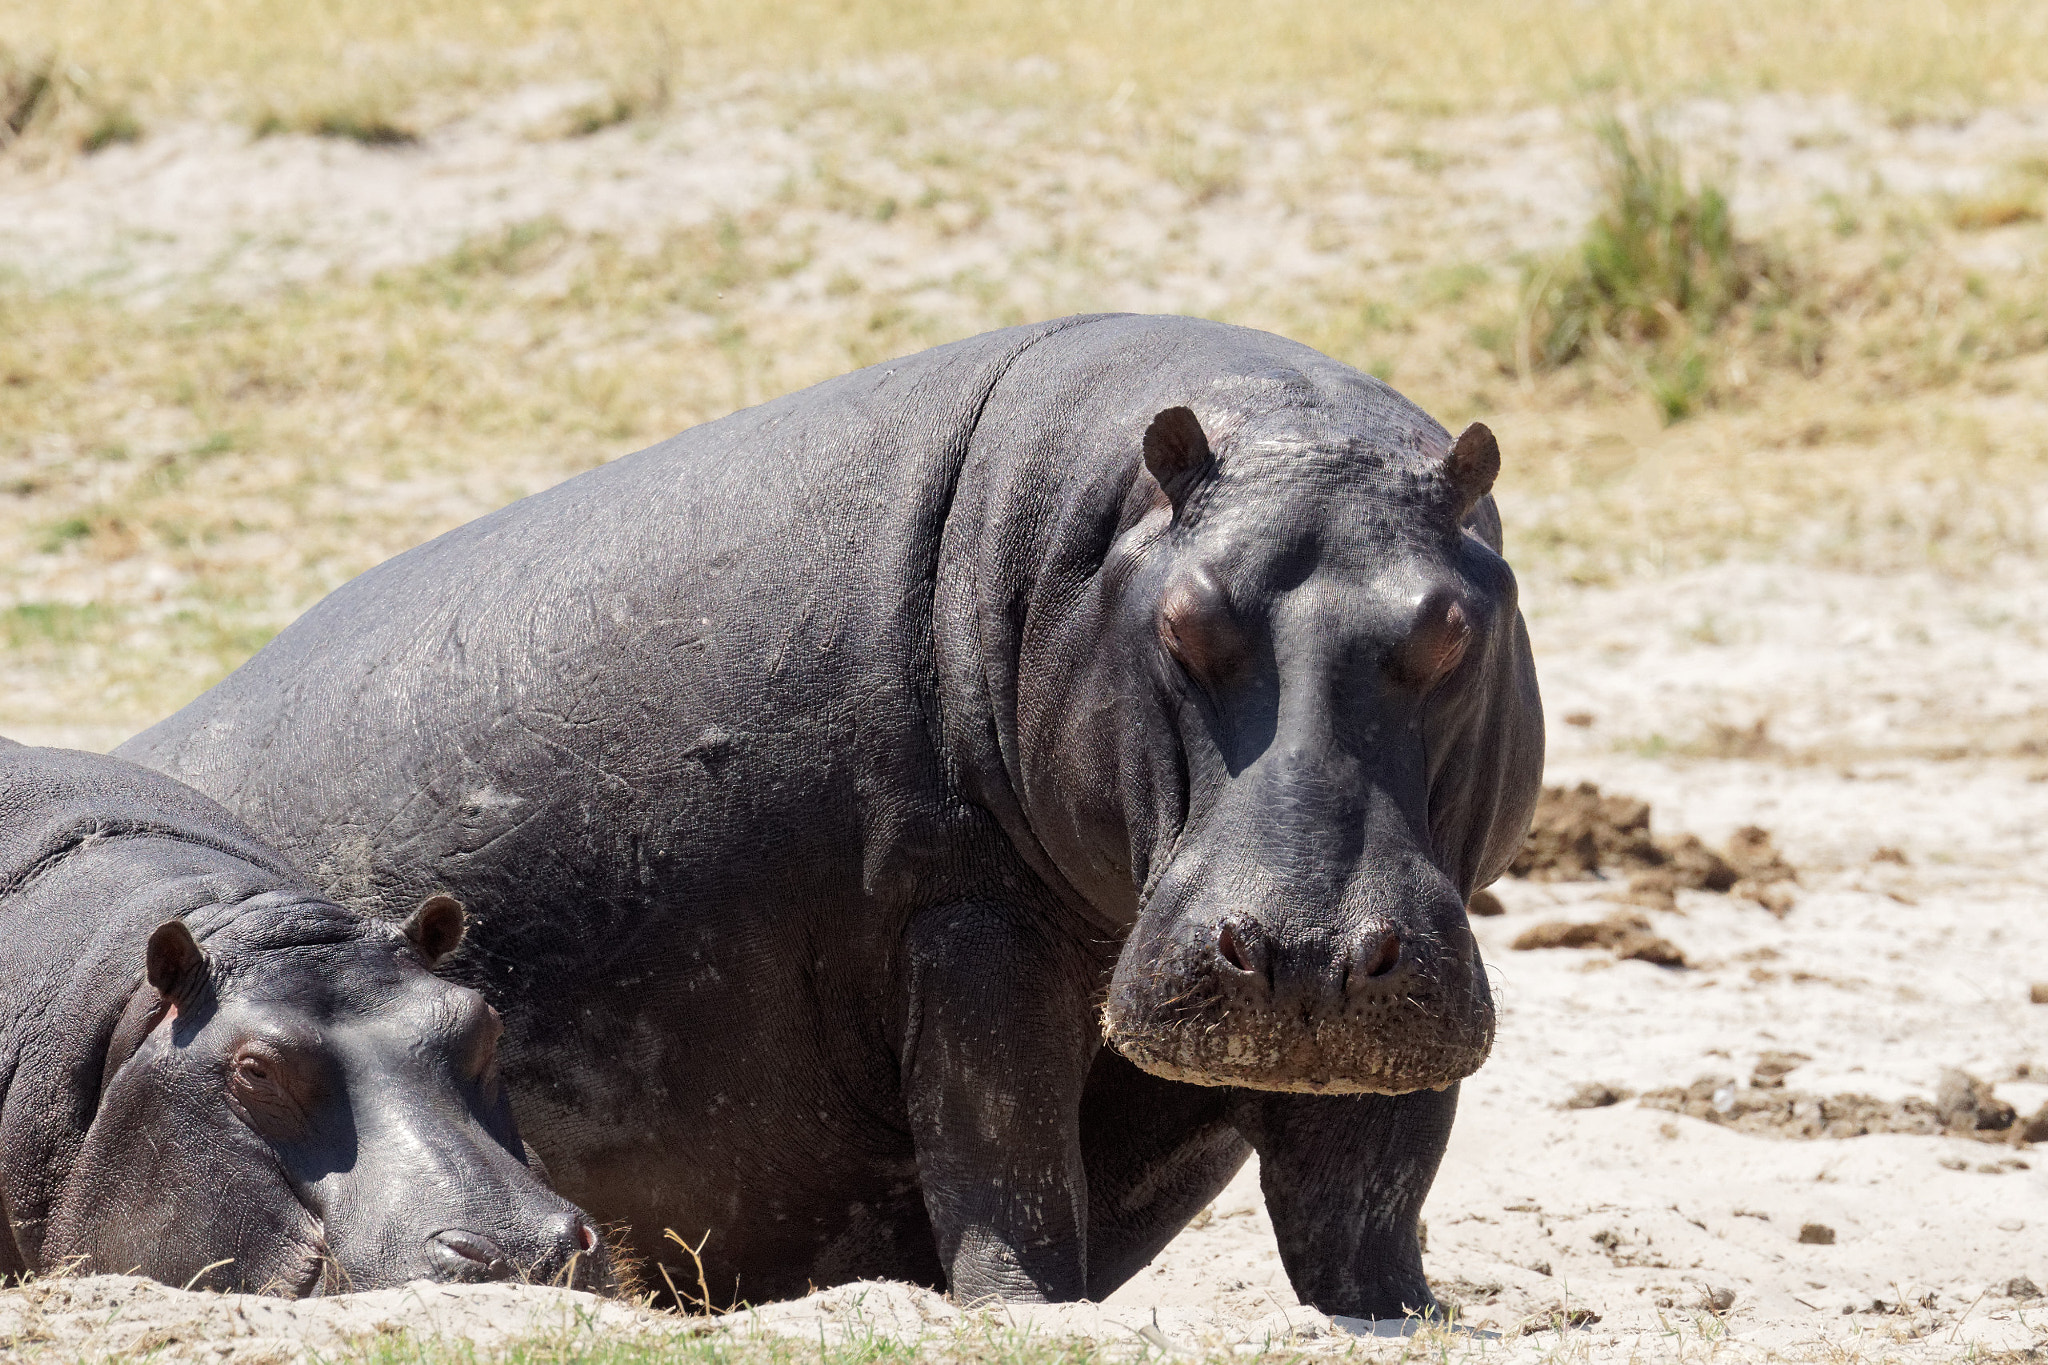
x=1303, y=1057
x=1369, y=1017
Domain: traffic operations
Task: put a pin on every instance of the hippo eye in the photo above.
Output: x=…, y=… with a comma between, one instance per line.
x=1436, y=645
x=265, y=1093
x=1197, y=629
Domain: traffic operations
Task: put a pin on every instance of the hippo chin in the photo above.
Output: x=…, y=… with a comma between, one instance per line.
x=829, y=780
x=211, y=1074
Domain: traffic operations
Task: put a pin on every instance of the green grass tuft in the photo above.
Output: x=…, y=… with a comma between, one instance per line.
x=1658, y=272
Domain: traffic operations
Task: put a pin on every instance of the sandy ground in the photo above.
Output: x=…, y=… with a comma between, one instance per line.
x=1901, y=713
x=202, y=201
x=1883, y=974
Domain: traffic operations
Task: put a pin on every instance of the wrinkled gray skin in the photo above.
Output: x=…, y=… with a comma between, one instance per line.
x=211, y=1074
x=815, y=778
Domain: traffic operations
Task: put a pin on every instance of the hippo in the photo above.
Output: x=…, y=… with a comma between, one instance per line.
x=210, y=1074
x=937, y=824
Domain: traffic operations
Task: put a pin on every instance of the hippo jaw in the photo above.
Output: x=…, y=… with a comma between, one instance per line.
x=1218, y=1001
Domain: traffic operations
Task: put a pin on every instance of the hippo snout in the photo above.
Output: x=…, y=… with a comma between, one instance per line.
x=1379, y=1004
x=568, y=1251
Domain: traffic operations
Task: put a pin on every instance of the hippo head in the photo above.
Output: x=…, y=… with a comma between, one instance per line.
x=1319, y=721
x=301, y=1106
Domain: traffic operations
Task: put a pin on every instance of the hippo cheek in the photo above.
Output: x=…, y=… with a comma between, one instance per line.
x=182, y=1193
x=1379, y=1007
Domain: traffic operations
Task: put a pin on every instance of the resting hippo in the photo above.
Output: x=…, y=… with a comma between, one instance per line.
x=211, y=1074
x=830, y=780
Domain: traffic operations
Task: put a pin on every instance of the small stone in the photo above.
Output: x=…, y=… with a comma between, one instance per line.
x=1653, y=890
x=1717, y=1300
x=1484, y=905
x=2038, y=992
x=1696, y=866
x=1775, y=897
x=1773, y=1067
x=1955, y=1163
x=2020, y=1287
x=1579, y=720
x=1816, y=1235
x=1596, y=1095
x=1756, y=859
x=1886, y=853
x=1967, y=1105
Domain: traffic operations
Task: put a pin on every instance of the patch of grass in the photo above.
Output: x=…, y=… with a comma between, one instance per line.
x=58, y=105
x=111, y=128
x=1982, y=215
x=1413, y=54
x=366, y=118
x=622, y=101
x=1654, y=284
x=27, y=624
x=60, y=533
x=1658, y=271
x=275, y=443
x=981, y=1342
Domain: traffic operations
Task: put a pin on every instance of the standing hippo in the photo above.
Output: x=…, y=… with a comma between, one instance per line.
x=829, y=781
x=209, y=1073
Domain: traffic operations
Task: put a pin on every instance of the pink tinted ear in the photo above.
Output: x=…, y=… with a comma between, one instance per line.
x=175, y=961
x=436, y=927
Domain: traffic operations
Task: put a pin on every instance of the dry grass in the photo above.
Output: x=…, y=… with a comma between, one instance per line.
x=178, y=481
x=1405, y=53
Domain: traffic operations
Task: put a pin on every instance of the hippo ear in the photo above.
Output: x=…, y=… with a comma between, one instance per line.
x=436, y=927
x=1177, y=452
x=1473, y=465
x=176, y=963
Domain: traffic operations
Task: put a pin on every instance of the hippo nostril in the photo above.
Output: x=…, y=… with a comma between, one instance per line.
x=586, y=1237
x=464, y=1255
x=1229, y=949
x=1385, y=957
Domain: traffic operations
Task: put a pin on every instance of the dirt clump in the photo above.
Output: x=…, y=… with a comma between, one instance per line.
x=1628, y=937
x=1816, y=1235
x=1967, y=1105
x=1794, y=1113
x=1597, y=1095
x=1484, y=905
x=1583, y=834
x=1963, y=1107
x=1772, y=1068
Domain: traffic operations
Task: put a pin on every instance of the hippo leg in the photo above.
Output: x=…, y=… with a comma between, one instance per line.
x=1344, y=1178
x=997, y=1045
x=1157, y=1152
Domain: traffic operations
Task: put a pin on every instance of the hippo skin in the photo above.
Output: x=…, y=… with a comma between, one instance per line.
x=211, y=1074
x=830, y=781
